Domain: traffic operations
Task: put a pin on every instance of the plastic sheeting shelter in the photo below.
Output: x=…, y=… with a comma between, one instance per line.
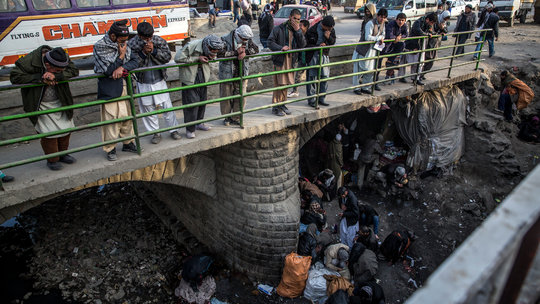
x=432, y=125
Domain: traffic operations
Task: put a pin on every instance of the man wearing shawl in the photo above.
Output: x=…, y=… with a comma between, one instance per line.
x=153, y=50
x=286, y=36
x=374, y=31
x=200, y=51
x=113, y=59
x=48, y=66
x=238, y=43
x=360, y=50
x=515, y=91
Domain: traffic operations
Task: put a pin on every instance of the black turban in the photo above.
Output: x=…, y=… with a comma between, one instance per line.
x=119, y=28
x=57, y=57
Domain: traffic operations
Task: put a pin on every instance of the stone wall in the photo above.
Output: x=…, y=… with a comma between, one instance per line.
x=86, y=90
x=252, y=221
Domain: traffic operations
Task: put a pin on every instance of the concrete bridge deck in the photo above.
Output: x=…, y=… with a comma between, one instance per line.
x=35, y=181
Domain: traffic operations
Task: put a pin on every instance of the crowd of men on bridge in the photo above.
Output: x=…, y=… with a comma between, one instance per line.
x=115, y=56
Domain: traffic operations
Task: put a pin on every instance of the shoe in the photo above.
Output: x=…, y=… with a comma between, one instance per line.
x=293, y=94
x=403, y=80
x=130, y=148
x=420, y=83
x=190, y=135
x=7, y=179
x=365, y=91
x=226, y=122
x=422, y=77
x=377, y=88
x=203, y=127
x=311, y=104
x=278, y=111
x=111, y=155
x=68, y=159
x=156, y=139
x=55, y=166
x=357, y=91
x=285, y=109
x=235, y=122
x=323, y=103
x=175, y=135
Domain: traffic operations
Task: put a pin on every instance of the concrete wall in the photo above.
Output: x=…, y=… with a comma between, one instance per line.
x=478, y=270
x=86, y=90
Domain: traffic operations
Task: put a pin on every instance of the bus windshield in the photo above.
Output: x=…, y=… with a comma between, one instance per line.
x=391, y=4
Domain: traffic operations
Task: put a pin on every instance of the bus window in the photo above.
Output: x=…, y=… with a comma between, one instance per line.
x=92, y=3
x=121, y=2
x=153, y=1
x=420, y=4
x=12, y=6
x=51, y=4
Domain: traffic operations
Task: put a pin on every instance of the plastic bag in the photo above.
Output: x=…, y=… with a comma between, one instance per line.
x=295, y=274
x=316, y=283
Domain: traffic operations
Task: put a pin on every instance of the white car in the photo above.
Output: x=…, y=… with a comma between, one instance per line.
x=475, y=4
x=456, y=7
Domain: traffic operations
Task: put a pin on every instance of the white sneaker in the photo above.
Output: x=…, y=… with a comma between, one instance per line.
x=190, y=135
x=293, y=94
x=203, y=127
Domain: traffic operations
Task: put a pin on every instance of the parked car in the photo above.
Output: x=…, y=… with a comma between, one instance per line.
x=308, y=12
x=456, y=7
x=475, y=4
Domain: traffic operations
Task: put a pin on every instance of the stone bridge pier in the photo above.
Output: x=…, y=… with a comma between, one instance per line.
x=245, y=206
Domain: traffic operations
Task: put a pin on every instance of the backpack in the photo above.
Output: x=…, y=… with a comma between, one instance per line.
x=395, y=245
x=195, y=269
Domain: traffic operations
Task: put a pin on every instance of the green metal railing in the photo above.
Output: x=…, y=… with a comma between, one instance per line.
x=132, y=96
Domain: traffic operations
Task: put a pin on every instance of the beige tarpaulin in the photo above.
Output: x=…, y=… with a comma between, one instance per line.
x=432, y=127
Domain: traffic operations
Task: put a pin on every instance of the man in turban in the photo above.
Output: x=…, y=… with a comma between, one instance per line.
x=48, y=66
x=237, y=43
x=153, y=50
x=113, y=59
x=201, y=51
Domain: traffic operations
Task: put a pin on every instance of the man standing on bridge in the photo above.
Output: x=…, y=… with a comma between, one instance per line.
x=153, y=50
x=48, y=66
x=286, y=36
x=320, y=34
x=113, y=58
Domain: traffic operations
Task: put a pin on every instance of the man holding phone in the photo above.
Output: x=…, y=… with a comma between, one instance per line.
x=286, y=36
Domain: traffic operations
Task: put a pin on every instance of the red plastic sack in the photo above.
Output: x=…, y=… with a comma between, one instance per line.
x=295, y=274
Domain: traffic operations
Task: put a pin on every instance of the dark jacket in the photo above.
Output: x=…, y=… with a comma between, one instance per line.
x=280, y=37
x=160, y=55
x=313, y=39
x=492, y=23
x=30, y=69
x=378, y=293
x=392, y=31
x=419, y=28
x=466, y=22
x=369, y=211
x=310, y=217
x=307, y=245
x=266, y=25
x=370, y=241
x=351, y=214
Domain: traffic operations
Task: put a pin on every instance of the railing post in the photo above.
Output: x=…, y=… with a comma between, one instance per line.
x=241, y=90
x=420, y=60
x=133, y=112
x=375, y=72
x=318, y=77
x=453, y=54
x=480, y=52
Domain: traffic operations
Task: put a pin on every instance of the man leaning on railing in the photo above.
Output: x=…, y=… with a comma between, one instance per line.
x=48, y=66
x=113, y=59
x=200, y=51
x=421, y=27
x=237, y=43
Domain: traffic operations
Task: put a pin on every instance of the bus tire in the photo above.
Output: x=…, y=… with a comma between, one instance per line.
x=523, y=17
